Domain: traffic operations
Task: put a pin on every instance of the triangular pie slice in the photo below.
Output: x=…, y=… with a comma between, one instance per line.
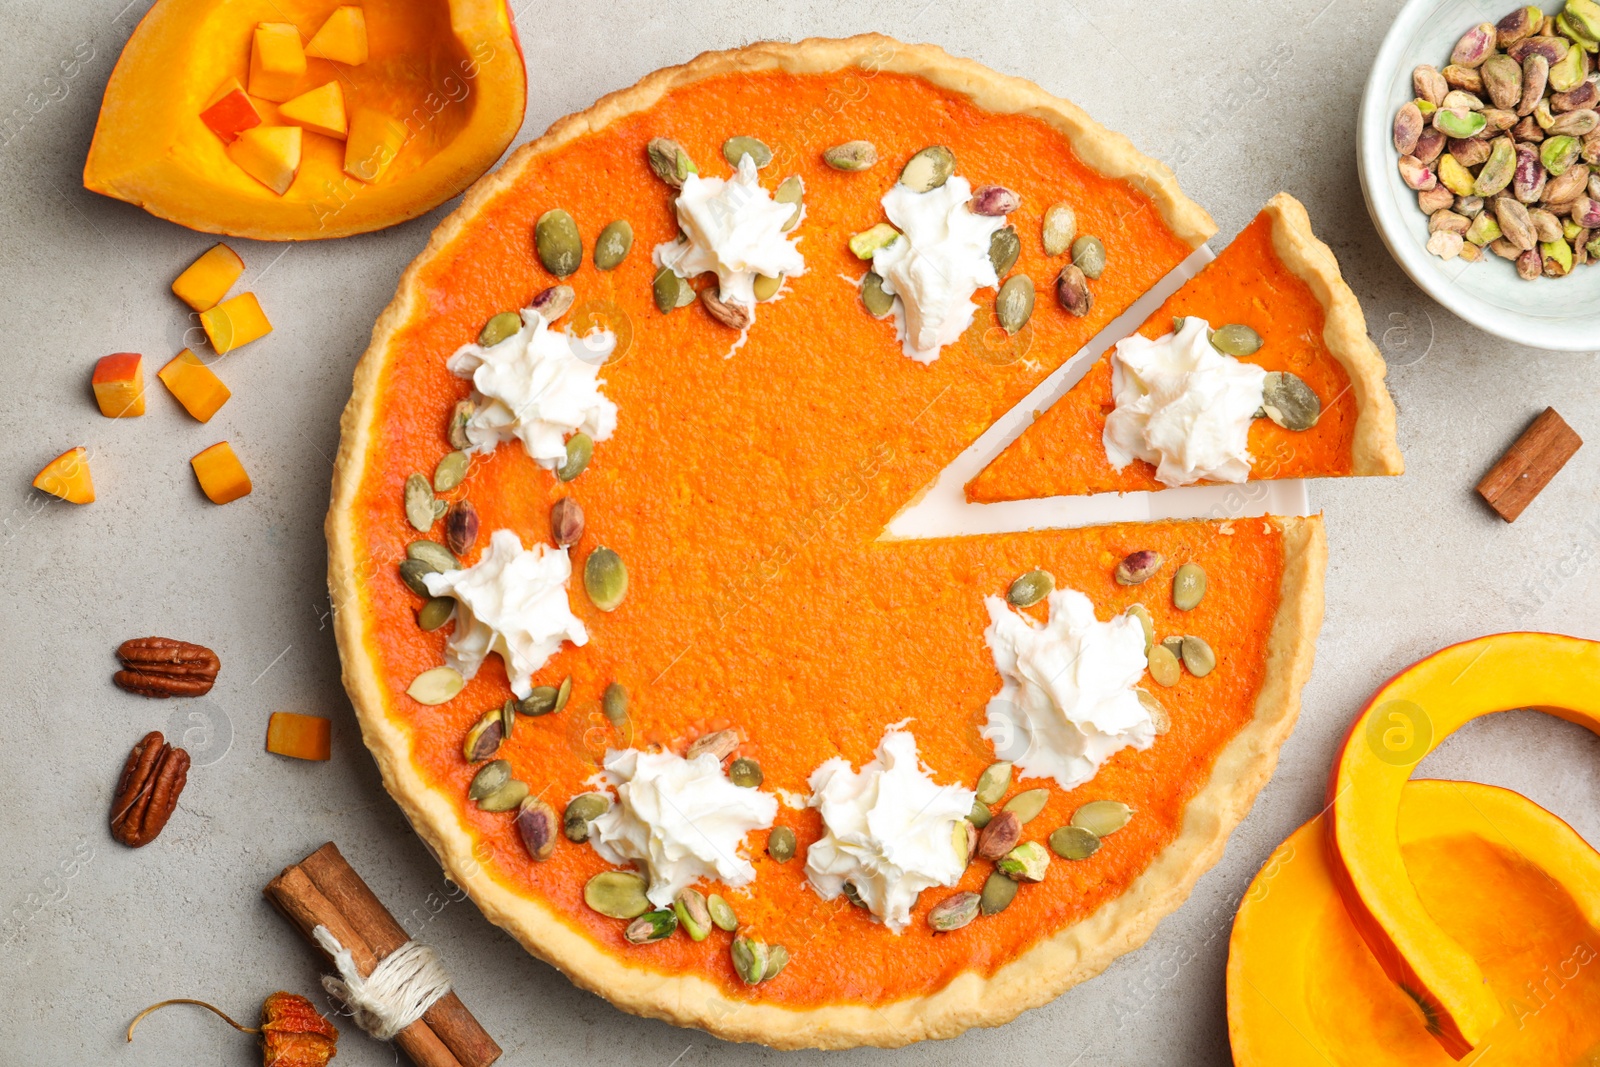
x=1277, y=278
x=745, y=487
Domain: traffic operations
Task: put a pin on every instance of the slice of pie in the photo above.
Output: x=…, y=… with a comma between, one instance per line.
x=616, y=612
x=1282, y=285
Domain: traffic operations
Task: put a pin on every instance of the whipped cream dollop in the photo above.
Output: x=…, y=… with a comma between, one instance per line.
x=512, y=601
x=680, y=820
x=1067, y=701
x=732, y=227
x=539, y=385
x=888, y=830
x=1183, y=406
x=939, y=260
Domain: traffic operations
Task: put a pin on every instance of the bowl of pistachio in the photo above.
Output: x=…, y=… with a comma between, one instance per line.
x=1479, y=156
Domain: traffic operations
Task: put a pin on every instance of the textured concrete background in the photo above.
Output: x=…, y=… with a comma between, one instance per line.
x=1242, y=100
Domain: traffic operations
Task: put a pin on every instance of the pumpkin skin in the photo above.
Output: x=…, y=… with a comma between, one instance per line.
x=450, y=71
x=1405, y=720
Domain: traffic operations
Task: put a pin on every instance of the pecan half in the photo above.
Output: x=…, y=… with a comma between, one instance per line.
x=162, y=667
x=148, y=790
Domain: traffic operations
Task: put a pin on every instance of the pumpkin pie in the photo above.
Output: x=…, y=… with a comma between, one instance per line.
x=1282, y=285
x=555, y=643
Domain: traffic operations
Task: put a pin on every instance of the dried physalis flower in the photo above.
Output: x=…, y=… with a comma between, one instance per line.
x=293, y=1033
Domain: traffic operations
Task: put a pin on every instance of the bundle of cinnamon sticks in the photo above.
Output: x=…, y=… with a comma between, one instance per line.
x=324, y=890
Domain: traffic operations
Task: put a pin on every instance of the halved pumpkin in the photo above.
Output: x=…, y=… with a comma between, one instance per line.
x=448, y=72
x=1405, y=720
x=1507, y=880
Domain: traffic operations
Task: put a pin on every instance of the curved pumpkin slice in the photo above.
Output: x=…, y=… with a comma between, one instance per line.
x=1280, y=280
x=1404, y=721
x=1506, y=879
x=446, y=74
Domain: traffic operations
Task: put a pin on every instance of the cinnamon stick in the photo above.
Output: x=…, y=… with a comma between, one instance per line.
x=1529, y=464
x=294, y=894
x=344, y=888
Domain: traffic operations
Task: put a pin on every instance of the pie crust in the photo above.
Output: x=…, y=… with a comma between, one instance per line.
x=1050, y=965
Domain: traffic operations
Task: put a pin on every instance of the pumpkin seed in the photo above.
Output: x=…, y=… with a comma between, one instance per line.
x=555, y=238
x=460, y=415
x=878, y=302
x=436, y=686
x=614, y=703
x=1158, y=713
x=419, y=503
x=1074, y=843
x=612, y=246
x=497, y=329
x=580, y=449
x=766, y=288
x=439, y=508
x=1146, y=623
x=536, y=825
x=605, y=579
x=1027, y=804
x=508, y=796
x=853, y=895
x=868, y=241
x=1031, y=588
x=1027, y=862
x=851, y=156
x=490, y=777
x=1004, y=248
x=693, y=915
x=484, y=737
x=554, y=302
x=993, y=782
x=980, y=814
x=582, y=810
x=541, y=700
x=617, y=894
x=1188, y=587
x=777, y=960
x=954, y=912
x=412, y=571
x=435, y=613
x=736, y=148
x=928, y=169
x=745, y=772
x=998, y=892
x=1289, y=401
x=1164, y=666
x=722, y=913
x=1197, y=656
x=1139, y=567
x=791, y=191
x=1102, y=817
x=434, y=554
x=652, y=927
x=666, y=290
x=1013, y=304
x=749, y=959
x=1235, y=339
x=1089, y=256
x=781, y=844
x=508, y=717
x=1173, y=644
x=669, y=161
x=451, y=472
x=1059, y=229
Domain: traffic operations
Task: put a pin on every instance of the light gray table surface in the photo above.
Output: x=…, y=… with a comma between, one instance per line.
x=1242, y=100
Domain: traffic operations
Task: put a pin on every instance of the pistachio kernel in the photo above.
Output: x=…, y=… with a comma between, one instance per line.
x=870, y=240
x=749, y=959
x=993, y=201
x=1188, y=587
x=566, y=522
x=651, y=927
x=720, y=744
x=781, y=844
x=669, y=161
x=461, y=526
x=555, y=301
x=617, y=894
x=456, y=431
x=953, y=912
x=1138, y=567
x=1074, y=843
x=484, y=737
x=605, y=579
x=731, y=313
x=536, y=825
x=693, y=913
x=1028, y=862
x=1072, y=291
x=745, y=772
x=1031, y=588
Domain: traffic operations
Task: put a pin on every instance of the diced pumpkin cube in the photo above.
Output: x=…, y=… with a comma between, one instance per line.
x=230, y=112
x=195, y=385
x=321, y=110
x=269, y=154
x=67, y=476
x=235, y=323
x=222, y=477
x=300, y=736
x=343, y=38
x=277, y=61
x=372, y=143
x=119, y=385
x=208, y=279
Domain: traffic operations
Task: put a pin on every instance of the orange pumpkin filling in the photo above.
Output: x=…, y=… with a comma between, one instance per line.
x=747, y=496
x=1062, y=453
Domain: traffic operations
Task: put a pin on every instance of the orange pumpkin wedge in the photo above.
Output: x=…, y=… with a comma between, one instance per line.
x=1507, y=880
x=448, y=73
x=1279, y=279
x=67, y=476
x=1404, y=721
